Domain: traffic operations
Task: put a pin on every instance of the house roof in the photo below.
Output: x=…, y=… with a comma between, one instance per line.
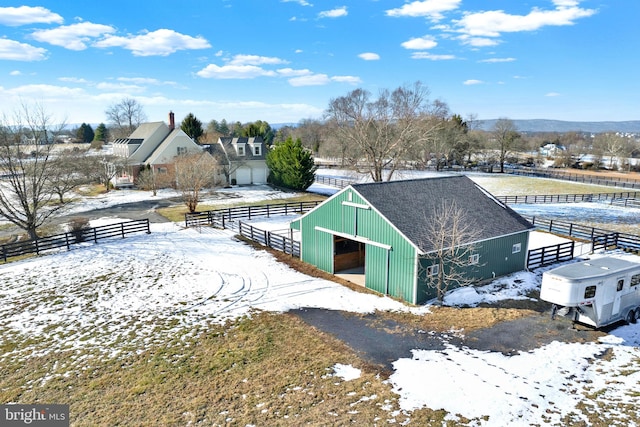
x=145, y=130
x=406, y=204
x=229, y=143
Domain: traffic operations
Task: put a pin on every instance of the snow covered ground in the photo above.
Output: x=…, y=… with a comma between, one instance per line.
x=119, y=295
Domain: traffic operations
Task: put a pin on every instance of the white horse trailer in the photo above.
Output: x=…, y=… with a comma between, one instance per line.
x=597, y=292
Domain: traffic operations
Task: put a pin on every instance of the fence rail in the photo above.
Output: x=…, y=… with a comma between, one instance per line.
x=267, y=238
x=576, y=177
x=220, y=217
x=550, y=254
x=70, y=238
x=569, y=198
x=624, y=241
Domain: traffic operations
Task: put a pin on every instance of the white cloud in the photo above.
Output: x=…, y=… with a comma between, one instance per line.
x=23, y=15
x=472, y=82
x=428, y=55
x=73, y=80
x=255, y=60
x=496, y=60
x=234, y=72
x=552, y=94
x=290, y=72
x=334, y=13
x=119, y=87
x=73, y=37
x=300, y=2
x=15, y=73
x=478, y=41
x=369, y=56
x=162, y=42
x=46, y=92
x=310, y=80
x=493, y=23
x=321, y=80
x=429, y=8
x=146, y=81
x=15, y=51
x=420, y=43
x=347, y=79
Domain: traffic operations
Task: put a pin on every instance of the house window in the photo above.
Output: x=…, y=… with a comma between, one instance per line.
x=241, y=150
x=590, y=292
x=161, y=170
x=474, y=259
x=516, y=248
x=433, y=270
x=620, y=285
x=257, y=150
x=182, y=151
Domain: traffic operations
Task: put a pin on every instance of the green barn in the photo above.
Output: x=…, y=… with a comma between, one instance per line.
x=378, y=230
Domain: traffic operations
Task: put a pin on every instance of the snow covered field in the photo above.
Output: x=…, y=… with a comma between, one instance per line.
x=119, y=295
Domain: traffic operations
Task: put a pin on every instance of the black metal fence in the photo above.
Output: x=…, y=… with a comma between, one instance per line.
x=333, y=182
x=267, y=238
x=550, y=254
x=624, y=241
x=221, y=217
x=577, y=177
x=569, y=198
x=70, y=238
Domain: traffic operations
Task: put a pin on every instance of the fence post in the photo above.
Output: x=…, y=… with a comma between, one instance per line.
x=4, y=252
x=37, y=246
x=95, y=235
x=122, y=229
x=148, y=226
x=66, y=240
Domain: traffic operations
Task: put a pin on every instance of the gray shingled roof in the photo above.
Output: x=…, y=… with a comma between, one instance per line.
x=407, y=203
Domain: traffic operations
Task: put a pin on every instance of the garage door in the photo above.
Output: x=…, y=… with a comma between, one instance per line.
x=243, y=176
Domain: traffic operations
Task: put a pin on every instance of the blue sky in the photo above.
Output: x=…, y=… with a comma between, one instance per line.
x=283, y=60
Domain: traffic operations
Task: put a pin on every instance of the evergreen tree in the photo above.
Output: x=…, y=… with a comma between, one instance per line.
x=192, y=127
x=85, y=133
x=101, y=133
x=291, y=165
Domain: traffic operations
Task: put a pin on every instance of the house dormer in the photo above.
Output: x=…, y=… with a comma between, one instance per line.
x=257, y=149
x=241, y=149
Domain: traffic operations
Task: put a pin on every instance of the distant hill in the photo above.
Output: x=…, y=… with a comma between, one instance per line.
x=543, y=125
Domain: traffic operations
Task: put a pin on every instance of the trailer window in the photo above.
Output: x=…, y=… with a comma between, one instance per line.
x=635, y=279
x=620, y=285
x=590, y=292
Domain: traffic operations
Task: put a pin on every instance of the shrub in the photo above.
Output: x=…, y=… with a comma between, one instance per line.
x=78, y=227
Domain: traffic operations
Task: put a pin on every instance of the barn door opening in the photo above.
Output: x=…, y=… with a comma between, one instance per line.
x=348, y=255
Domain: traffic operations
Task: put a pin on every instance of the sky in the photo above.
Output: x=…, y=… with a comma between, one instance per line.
x=203, y=278
x=282, y=61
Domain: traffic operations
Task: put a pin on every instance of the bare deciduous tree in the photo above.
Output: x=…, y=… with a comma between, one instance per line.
x=64, y=175
x=125, y=117
x=151, y=180
x=452, y=237
x=505, y=135
x=26, y=143
x=381, y=131
x=193, y=173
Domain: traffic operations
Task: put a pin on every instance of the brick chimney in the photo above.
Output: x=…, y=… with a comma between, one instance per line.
x=172, y=121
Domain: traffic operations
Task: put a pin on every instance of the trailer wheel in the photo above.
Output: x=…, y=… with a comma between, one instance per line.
x=631, y=317
x=637, y=313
